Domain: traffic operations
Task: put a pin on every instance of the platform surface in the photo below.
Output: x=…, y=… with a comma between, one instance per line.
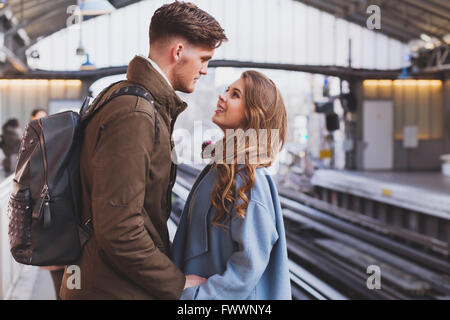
x=425, y=192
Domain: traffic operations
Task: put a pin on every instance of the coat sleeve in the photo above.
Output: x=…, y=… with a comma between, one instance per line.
x=256, y=235
x=179, y=241
x=120, y=171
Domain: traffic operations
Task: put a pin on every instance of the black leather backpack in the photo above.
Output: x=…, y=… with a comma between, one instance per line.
x=45, y=227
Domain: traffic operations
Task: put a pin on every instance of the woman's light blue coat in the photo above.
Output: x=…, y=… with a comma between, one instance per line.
x=246, y=261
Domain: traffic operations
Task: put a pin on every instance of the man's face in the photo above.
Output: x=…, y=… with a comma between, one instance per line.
x=192, y=65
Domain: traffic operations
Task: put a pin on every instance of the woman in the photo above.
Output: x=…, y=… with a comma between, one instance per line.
x=231, y=231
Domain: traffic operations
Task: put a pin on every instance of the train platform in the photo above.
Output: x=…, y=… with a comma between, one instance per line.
x=33, y=283
x=424, y=192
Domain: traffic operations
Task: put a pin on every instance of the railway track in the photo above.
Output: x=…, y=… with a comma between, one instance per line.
x=330, y=258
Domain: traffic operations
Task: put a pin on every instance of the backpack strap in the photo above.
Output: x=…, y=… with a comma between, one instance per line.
x=130, y=90
x=97, y=99
x=133, y=90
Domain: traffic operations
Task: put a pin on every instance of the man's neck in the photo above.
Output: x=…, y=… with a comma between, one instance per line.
x=160, y=67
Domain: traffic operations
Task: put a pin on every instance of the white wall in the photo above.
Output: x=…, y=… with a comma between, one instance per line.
x=283, y=31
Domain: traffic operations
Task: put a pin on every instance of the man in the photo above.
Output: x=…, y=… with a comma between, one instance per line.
x=126, y=170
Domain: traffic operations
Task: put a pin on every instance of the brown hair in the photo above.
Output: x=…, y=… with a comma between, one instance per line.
x=264, y=109
x=188, y=21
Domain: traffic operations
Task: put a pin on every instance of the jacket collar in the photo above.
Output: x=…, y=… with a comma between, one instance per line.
x=141, y=71
x=157, y=68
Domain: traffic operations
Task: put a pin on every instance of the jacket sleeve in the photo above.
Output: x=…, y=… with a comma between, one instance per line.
x=256, y=235
x=120, y=170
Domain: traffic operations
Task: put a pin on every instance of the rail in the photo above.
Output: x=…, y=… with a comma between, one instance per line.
x=337, y=253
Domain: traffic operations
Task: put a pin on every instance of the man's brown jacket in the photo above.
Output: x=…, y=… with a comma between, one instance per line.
x=127, y=177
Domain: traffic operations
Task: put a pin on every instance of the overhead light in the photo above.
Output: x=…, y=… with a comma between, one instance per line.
x=35, y=54
x=446, y=38
x=80, y=51
x=95, y=7
x=429, y=46
x=88, y=65
x=425, y=37
x=416, y=44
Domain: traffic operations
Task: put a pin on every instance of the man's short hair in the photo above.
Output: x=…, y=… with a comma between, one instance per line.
x=188, y=21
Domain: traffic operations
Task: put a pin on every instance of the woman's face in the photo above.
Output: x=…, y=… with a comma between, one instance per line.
x=230, y=112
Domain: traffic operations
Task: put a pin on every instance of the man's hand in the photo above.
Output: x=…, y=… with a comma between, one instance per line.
x=193, y=280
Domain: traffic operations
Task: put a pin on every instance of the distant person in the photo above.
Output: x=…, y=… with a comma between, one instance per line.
x=38, y=113
x=10, y=144
x=231, y=231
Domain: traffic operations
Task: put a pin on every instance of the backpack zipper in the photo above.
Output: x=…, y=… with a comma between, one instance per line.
x=45, y=195
x=44, y=158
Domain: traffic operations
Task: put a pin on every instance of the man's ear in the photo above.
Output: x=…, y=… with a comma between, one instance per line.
x=177, y=51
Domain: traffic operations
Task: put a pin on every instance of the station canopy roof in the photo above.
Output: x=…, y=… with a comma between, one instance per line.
x=40, y=18
x=404, y=20
x=24, y=22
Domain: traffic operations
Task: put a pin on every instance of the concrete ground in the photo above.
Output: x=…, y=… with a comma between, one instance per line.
x=34, y=283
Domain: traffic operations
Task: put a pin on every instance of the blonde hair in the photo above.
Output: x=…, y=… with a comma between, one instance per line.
x=265, y=114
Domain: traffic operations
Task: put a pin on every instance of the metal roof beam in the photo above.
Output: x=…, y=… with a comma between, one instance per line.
x=397, y=22
x=444, y=4
x=324, y=6
x=352, y=14
x=14, y=60
x=122, y=3
x=389, y=28
x=41, y=5
x=30, y=22
x=393, y=12
x=422, y=5
x=342, y=72
x=393, y=15
x=434, y=26
x=420, y=27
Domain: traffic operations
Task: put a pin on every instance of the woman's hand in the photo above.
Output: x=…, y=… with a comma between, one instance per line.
x=192, y=280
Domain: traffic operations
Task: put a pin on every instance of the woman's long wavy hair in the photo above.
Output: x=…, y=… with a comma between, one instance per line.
x=265, y=116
